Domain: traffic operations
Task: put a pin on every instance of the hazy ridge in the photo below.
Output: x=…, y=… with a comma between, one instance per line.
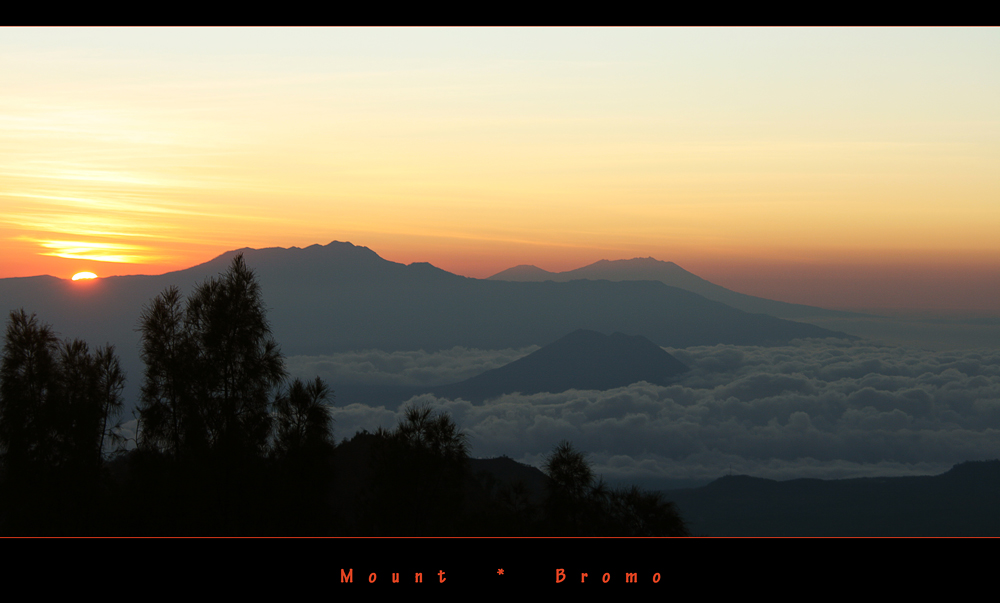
x=669, y=273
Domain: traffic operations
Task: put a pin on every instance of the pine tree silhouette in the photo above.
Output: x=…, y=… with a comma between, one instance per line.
x=56, y=401
x=210, y=369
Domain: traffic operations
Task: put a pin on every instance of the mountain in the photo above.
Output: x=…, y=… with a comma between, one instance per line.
x=581, y=360
x=529, y=274
x=960, y=502
x=341, y=297
x=669, y=273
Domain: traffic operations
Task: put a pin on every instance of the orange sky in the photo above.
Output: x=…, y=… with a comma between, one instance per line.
x=839, y=167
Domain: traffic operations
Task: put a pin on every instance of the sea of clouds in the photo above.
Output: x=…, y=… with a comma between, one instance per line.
x=820, y=408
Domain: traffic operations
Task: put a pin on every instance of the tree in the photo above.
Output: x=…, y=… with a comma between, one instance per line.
x=572, y=505
x=55, y=404
x=634, y=512
x=419, y=471
x=209, y=376
x=170, y=421
x=73, y=417
x=237, y=362
x=55, y=399
x=569, y=471
x=27, y=374
x=579, y=506
x=303, y=418
x=110, y=383
x=303, y=458
x=437, y=435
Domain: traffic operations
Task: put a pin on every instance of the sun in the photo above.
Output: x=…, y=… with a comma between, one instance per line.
x=83, y=275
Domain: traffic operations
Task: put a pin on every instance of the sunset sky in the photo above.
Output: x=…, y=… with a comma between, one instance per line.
x=837, y=167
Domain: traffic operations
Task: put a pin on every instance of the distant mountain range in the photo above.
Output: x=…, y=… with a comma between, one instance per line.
x=342, y=297
x=960, y=502
x=669, y=273
x=345, y=297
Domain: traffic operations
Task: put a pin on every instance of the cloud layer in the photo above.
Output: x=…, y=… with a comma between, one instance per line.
x=819, y=409
x=375, y=367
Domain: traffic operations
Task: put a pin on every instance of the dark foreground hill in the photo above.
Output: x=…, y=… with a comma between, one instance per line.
x=414, y=480
x=581, y=360
x=669, y=273
x=961, y=502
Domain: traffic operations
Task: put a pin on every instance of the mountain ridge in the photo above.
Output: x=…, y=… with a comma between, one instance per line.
x=958, y=502
x=341, y=297
x=671, y=274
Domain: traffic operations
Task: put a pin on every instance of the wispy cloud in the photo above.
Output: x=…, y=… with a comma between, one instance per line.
x=99, y=252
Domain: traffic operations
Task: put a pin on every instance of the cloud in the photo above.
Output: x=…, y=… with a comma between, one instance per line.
x=402, y=368
x=817, y=409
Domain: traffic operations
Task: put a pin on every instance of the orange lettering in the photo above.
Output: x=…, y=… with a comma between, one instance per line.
x=395, y=577
x=560, y=576
x=418, y=577
x=371, y=577
x=606, y=577
x=441, y=575
x=633, y=577
x=583, y=576
x=348, y=577
x=656, y=577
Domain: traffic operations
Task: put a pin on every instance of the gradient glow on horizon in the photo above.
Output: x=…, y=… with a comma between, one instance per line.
x=797, y=164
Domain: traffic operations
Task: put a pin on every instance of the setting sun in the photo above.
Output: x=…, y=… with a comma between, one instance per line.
x=83, y=275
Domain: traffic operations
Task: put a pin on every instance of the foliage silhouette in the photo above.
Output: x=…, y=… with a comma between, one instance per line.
x=110, y=384
x=56, y=401
x=168, y=415
x=211, y=368
x=573, y=500
x=302, y=418
x=578, y=506
x=209, y=376
x=569, y=471
x=437, y=435
x=74, y=419
x=235, y=359
x=28, y=370
x=419, y=473
x=303, y=452
x=635, y=512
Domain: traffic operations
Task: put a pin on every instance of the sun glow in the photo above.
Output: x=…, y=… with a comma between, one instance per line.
x=79, y=276
x=99, y=252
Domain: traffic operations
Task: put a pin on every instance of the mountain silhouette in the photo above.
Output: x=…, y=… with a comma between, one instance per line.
x=959, y=502
x=581, y=360
x=341, y=297
x=669, y=273
x=529, y=274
